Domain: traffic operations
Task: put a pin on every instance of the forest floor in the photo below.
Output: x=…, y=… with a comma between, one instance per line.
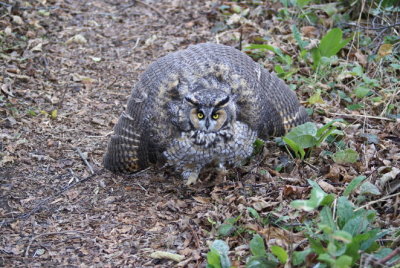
x=65, y=78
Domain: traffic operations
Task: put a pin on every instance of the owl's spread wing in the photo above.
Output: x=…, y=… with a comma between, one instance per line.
x=264, y=102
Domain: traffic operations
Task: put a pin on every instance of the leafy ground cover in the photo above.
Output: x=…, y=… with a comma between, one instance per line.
x=326, y=194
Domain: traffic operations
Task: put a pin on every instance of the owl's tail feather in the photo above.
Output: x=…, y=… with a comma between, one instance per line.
x=122, y=154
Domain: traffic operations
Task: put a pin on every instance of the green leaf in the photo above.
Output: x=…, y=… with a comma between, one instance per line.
x=279, y=70
x=318, y=198
x=253, y=213
x=213, y=259
x=297, y=36
x=357, y=70
x=280, y=253
x=344, y=97
x=260, y=262
x=356, y=106
x=368, y=239
x=369, y=188
x=258, y=145
x=329, y=9
x=345, y=156
x=343, y=262
x=299, y=257
x=361, y=92
x=342, y=236
x=53, y=114
x=222, y=250
x=304, y=135
x=316, y=245
x=316, y=56
x=356, y=225
x=326, y=217
x=232, y=220
x=226, y=229
x=302, y=3
x=299, y=152
x=276, y=50
x=325, y=257
x=344, y=210
x=353, y=185
x=332, y=43
x=257, y=246
x=316, y=98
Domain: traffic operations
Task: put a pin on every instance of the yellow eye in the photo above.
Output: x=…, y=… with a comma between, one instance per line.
x=200, y=115
x=215, y=116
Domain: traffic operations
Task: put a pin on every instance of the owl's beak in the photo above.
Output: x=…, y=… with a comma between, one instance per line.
x=207, y=123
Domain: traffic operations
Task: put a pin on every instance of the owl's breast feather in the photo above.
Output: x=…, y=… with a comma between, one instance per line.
x=198, y=148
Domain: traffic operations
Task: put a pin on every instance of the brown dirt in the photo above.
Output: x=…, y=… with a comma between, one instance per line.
x=109, y=220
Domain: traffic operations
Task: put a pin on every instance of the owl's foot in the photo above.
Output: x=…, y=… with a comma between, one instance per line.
x=221, y=174
x=190, y=177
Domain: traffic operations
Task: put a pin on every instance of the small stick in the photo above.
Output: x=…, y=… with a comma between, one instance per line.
x=390, y=256
x=365, y=116
x=85, y=160
x=52, y=233
x=377, y=201
x=374, y=28
x=148, y=6
x=152, y=8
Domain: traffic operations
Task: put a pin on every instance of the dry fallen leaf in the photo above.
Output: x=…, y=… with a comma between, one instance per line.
x=385, y=49
x=202, y=200
x=327, y=187
x=77, y=39
x=309, y=31
x=167, y=255
x=18, y=20
x=362, y=59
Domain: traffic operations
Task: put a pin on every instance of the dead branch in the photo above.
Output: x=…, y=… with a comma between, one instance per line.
x=85, y=160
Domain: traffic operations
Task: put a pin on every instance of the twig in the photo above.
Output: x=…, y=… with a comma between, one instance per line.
x=377, y=201
x=148, y=6
x=51, y=233
x=390, y=256
x=85, y=160
x=374, y=28
x=44, y=201
x=364, y=116
x=197, y=240
x=144, y=189
x=134, y=175
x=5, y=4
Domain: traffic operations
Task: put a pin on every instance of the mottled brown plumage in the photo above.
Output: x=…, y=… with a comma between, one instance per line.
x=206, y=104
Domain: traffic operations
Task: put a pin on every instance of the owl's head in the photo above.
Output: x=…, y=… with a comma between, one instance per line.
x=210, y=110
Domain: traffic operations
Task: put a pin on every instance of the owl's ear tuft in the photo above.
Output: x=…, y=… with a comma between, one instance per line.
x=192, y=101
x=223, y=102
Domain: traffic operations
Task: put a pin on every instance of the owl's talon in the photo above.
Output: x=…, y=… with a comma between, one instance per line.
x=191, y=179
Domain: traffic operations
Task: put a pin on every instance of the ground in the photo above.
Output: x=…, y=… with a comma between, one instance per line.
x=63, y=87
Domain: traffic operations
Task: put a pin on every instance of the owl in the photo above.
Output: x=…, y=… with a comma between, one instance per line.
x=202, y=106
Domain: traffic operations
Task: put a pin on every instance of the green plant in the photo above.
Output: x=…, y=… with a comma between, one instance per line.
x=330, y=45
x=228, y=227
x=341, y=233
x=217, y=257
x=309, y=136
x=285, y=71
x=260, y=257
